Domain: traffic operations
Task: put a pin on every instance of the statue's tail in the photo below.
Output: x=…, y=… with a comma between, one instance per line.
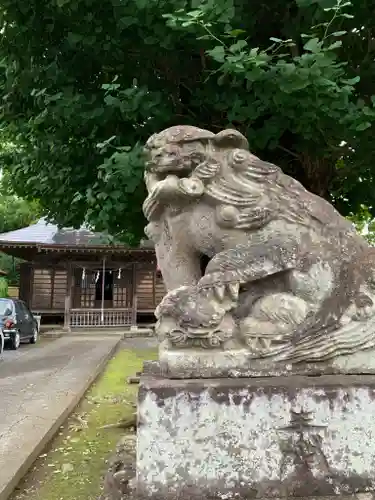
x=329, y=343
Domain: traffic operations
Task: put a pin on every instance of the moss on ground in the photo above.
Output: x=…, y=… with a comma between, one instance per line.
x=73, y=469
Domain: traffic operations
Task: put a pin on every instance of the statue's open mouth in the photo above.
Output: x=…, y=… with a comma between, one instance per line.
x=169, y=168
x=204, y=261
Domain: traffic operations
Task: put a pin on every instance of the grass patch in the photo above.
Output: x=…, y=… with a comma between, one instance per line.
x=73, y=469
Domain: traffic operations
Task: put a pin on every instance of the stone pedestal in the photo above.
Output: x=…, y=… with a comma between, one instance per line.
x=256, y=438
x=202, y=363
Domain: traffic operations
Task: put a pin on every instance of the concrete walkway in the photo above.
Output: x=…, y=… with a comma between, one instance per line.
x=39, y=387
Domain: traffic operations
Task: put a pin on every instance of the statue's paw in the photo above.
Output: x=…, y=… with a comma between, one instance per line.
x=272, y=322
x=362, y=310
x=364, y=313
x=365, y=307
x=258, y=345
x=262, y=336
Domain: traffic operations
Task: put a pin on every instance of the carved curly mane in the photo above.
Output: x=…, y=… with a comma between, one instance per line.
x=262, y=192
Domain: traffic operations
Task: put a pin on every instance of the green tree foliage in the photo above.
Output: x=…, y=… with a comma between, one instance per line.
x=84, y=84
x=364, y=222
x=15, y=213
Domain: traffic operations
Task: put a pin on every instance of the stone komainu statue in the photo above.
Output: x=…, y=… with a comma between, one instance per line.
x=254, y=264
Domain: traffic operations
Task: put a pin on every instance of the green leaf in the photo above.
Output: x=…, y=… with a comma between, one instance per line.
x=111, y=86
x=74, y=38
x=335, y=45
x=238, y=46
x=195, y=13
x=236, y=32
x=127, y=21
x=217, y=53
x=277, y=40
x=339, y=33
x=352, y=81
x=363, y=126
x=313, y=45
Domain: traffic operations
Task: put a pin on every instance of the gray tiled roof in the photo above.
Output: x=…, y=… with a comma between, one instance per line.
x=48, y=234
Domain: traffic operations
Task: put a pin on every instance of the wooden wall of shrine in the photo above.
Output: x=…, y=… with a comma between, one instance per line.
x=44, y=289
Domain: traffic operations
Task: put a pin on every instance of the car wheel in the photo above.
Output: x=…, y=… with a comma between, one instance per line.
x=34, y=338
x=16, y=341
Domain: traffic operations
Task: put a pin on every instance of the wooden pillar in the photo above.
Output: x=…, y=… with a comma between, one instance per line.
x=53, y=274
x=134, y=296
x=103, y=290
x=68, y=296
x=30, y=293
x=26, y=288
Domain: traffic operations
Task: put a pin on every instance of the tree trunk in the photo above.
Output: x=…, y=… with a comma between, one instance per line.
x=318, y=174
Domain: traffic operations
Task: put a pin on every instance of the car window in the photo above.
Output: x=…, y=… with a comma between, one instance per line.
x=19, y=311
x=24, y=309
x=6, y=307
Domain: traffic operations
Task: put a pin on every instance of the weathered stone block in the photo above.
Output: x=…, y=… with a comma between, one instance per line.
x=252, y=438
x=203, y=363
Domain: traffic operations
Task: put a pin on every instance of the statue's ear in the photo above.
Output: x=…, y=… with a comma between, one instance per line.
x=230, y=139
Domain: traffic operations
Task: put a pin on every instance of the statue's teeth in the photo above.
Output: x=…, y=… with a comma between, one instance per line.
x=233, y=289
x=220, y=292
x=266, y=343
x=258, y=343
x=251, y=342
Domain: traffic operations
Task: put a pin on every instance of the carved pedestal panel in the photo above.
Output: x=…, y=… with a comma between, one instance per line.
x=237, y=363
x=256, y=438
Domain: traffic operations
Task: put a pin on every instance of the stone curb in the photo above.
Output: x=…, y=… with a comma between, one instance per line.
x=51, y=335
x=126, y=334
x=52, y=431
x=139, y=334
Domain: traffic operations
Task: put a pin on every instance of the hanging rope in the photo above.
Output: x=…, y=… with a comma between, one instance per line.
x=83, y=278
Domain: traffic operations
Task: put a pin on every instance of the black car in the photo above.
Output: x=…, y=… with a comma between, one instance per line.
x=17, y=323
